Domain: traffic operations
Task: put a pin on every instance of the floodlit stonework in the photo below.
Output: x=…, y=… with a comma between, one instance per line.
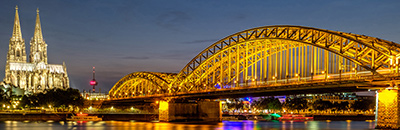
x=36, y=75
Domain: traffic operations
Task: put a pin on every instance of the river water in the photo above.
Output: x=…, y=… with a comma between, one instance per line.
x=228, y=125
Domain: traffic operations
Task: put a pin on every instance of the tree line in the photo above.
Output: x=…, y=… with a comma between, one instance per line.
x=274, y=104
x=57, y=99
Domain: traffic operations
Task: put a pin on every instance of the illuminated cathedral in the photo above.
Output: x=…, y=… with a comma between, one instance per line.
x=36, y=75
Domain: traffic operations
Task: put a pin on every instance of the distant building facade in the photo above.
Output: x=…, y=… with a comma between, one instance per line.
x=36, y=75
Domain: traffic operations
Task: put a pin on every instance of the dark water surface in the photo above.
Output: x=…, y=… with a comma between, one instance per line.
x=225, y=125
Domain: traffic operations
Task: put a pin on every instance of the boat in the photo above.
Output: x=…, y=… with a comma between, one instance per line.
x=295, y=117
x=84, y=117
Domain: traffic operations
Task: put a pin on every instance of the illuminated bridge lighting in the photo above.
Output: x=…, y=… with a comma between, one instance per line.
x=271, y=56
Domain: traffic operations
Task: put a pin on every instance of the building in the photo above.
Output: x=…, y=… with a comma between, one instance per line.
x=94, y=96
x=36, y=75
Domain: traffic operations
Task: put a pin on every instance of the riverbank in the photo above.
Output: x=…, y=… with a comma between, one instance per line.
x=64, y=116
x=316, y=117
x=145, y=117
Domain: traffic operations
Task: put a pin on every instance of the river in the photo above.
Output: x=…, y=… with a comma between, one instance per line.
x=228, y=125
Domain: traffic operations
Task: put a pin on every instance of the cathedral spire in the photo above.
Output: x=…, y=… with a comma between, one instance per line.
x=38, y=47
x=17, y=35
x=38, y=28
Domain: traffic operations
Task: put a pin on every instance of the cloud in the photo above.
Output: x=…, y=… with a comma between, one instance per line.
x=200, y=41
x=136, y=57
x=172, y=19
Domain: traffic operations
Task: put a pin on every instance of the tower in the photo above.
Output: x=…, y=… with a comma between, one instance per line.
x=93, y=82
x=38, y=47
x=16, y=50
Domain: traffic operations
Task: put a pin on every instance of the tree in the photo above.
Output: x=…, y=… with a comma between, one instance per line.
x=296, y=104
x=236, y=104
x=4, y=97
x=363, y=105
x=267, y=103
x=341, y=106
x=322, y=105
x=56, y=98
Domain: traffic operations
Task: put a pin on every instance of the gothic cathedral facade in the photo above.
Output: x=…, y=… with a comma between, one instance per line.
x=36, y=75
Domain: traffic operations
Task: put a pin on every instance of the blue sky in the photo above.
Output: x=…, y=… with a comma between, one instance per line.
x=125, y=36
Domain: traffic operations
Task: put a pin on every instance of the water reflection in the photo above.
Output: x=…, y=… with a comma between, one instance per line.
x=230, y=125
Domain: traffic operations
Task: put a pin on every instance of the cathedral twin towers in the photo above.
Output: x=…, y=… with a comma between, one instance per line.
x=36, y=75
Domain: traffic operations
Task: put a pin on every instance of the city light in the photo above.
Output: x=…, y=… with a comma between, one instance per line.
x=163, y=105
x=387, y=96
x=93, y=82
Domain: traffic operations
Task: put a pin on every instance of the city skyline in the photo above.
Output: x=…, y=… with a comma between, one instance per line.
x=122, y=37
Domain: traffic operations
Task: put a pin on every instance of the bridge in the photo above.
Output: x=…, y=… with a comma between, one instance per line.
x=278, y=60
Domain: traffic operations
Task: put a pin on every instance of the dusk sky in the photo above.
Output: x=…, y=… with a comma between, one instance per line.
x=119, y=37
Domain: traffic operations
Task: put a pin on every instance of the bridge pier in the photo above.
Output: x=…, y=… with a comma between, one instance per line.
x=388, y=109
x=190, y=111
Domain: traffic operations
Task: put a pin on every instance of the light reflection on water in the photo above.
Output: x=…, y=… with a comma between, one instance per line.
x=229, y=125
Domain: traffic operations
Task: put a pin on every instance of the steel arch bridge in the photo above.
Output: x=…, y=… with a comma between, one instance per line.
x=271, y=56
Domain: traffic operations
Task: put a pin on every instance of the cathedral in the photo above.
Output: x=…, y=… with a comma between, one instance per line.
x=36, y=75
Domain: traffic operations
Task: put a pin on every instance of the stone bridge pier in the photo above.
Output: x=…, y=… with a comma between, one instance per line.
x=209, y=111
x=388, y=109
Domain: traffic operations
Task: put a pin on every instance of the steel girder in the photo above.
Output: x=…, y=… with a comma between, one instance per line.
x=141, y=83
x=224, y=61
x=368, y=52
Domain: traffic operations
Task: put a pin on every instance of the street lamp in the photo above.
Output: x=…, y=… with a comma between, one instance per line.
x=355, y=71
x=274, y=78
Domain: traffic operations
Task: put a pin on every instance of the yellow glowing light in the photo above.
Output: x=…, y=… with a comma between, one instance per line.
x=296, y=75
x=163, y=105
x=387, y=96
x=323, y=72
x=156, y=102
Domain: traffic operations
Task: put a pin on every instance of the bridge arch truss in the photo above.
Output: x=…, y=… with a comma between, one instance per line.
x=273, y=55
